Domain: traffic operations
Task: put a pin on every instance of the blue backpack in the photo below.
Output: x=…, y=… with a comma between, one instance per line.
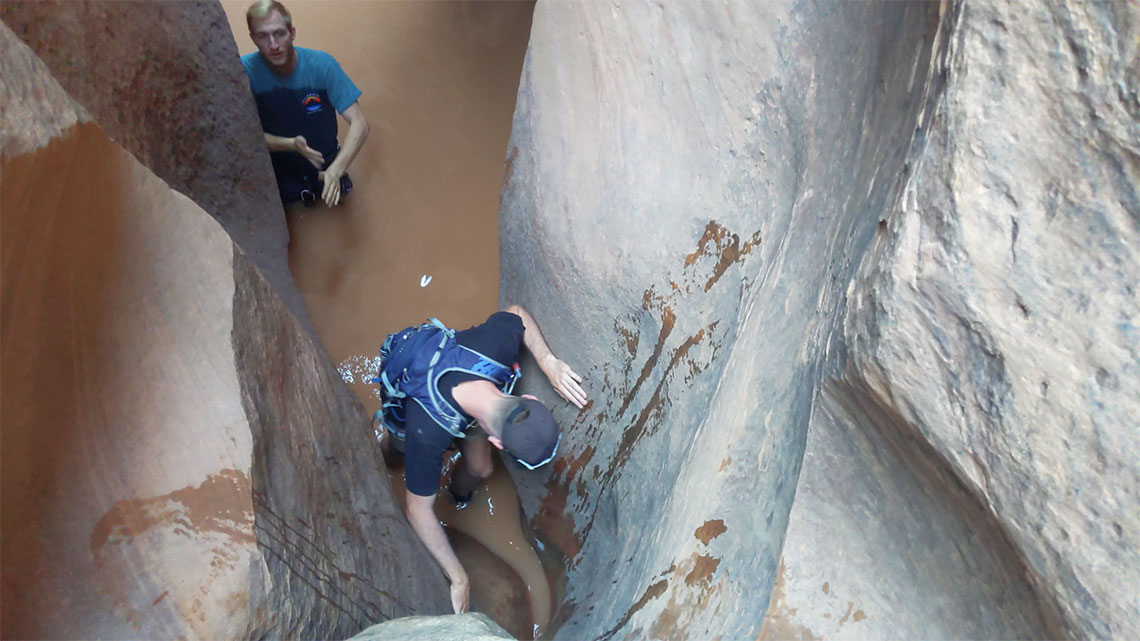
x=411, y=363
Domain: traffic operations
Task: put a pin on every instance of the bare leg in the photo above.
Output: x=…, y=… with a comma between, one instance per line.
x=474, y=467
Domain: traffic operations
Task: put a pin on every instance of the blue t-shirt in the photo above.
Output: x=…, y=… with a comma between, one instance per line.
x=425, y=442
x=304, y=103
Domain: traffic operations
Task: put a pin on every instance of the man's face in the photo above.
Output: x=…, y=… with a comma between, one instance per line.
x=274, y=39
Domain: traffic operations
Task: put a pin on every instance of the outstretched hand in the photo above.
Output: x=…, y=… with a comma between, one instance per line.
x=312, y=155
x=565, y=381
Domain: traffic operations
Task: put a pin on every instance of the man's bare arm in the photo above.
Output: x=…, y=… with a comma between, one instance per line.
x=297, y=144
x=358, y=129
x=427, y=527
x=561, y=377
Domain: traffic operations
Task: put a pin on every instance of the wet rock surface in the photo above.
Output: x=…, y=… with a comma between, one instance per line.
x=180, y=458
x=743, y=224
x=687, y=228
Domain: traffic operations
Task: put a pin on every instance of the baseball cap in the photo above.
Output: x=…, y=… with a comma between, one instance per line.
x=530, y=434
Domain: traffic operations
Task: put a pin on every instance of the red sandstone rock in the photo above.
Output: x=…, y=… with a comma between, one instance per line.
x=163, y=79
x=180, y=458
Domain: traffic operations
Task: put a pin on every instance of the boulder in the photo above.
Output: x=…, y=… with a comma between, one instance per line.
x=463, y=627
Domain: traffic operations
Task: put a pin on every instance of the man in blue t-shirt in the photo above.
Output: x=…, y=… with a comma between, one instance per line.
x=522, y=426
x=299, y=92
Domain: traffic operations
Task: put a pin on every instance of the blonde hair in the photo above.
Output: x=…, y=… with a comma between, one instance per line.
x=262, y=8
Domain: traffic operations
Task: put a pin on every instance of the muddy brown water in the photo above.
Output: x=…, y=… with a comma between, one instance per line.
x=418, y=236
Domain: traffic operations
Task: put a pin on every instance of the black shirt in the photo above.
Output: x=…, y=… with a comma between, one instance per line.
x=425, y=442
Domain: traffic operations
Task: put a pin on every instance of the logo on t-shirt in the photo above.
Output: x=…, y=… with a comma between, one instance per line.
x=312, y=103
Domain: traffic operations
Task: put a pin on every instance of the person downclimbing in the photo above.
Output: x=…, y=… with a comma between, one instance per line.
x=441, y=386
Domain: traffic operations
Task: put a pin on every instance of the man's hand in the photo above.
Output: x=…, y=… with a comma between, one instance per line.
x=301, y=146
x=331, y=193
x=428, y=528
x=460, y=595
x=357, y=131
x=561, y=377
x=564, y=380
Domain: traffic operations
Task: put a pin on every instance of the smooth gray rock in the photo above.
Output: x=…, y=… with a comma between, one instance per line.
x=998, y=314
x=885, y=543
x=692, y=191
x=894, y=244
x=691, y=187
x=472, y=626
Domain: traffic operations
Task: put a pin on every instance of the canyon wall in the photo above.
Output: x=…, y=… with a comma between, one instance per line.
x=892, y=243
x=853, y=287
x=180, y=458
x=162, y=79
x=996, y=317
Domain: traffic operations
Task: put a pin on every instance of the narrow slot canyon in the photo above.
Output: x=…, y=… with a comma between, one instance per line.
x=418, y=236
x=852, y=288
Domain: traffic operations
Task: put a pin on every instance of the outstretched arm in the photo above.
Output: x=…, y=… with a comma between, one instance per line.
x=427, y=527
x=564, y=380
x=358, y=129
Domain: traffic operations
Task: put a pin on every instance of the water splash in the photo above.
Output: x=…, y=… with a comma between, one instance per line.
x=358, y=367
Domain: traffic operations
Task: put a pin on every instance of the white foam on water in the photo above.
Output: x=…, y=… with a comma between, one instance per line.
x=359, y=367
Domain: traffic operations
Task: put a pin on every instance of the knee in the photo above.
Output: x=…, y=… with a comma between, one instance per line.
x=480, y=469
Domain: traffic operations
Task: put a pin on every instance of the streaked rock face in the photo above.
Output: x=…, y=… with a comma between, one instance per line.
x=180, y=459
x=909, y=229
